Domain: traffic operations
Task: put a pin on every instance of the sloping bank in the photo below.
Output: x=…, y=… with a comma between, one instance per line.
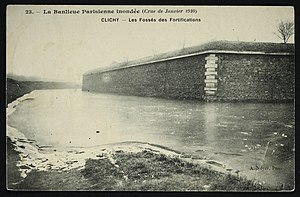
x=130, y=166
x=121, y=166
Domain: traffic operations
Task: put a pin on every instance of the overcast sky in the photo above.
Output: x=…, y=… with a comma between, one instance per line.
x=63, y=47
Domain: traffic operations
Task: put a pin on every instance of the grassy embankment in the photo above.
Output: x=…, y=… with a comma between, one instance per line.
x=144, y=170
x=16, y=89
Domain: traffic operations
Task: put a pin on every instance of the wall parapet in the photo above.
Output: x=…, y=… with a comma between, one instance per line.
x=194, y=54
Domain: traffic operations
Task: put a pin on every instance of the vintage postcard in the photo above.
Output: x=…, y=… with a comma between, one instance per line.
x=150, y=98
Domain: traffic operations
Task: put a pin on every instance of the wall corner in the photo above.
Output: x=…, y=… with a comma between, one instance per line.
x=210, y=88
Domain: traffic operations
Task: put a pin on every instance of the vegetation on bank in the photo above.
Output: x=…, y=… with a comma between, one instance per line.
x=12, y=172
x=148, y=171
x=16, y=89
x=141, y=171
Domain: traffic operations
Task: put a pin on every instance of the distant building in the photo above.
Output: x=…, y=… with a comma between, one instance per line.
x=220, y=70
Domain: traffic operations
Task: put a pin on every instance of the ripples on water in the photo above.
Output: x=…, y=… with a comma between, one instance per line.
x=241, y=135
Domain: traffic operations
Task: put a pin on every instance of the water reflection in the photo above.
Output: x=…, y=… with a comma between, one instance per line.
x=210, y=121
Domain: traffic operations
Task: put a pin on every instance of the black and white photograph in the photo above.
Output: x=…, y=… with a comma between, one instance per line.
x=150, y=98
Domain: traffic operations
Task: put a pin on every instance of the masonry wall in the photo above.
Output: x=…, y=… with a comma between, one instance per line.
x=255, y=77
x=223, y=77
x=179, y=78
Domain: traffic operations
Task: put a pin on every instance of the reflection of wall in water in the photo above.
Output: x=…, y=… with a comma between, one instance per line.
x=210, y=122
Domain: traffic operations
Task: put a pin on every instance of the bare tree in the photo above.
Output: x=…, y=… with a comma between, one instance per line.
x=285, y=30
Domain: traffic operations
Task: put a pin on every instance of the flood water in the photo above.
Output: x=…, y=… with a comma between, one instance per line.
x=256, y=138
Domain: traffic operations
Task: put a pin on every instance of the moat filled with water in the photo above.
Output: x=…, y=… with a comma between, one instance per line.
x=255, y=138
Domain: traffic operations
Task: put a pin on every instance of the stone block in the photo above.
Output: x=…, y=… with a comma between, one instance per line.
x=212, y=85
x=210, y=92
x=210, y=89
x=210, y=61
x=210, y=73
x=210, y=77
x=211, y=57
x=210, y=81
x=211, y=65
x=210, y=70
